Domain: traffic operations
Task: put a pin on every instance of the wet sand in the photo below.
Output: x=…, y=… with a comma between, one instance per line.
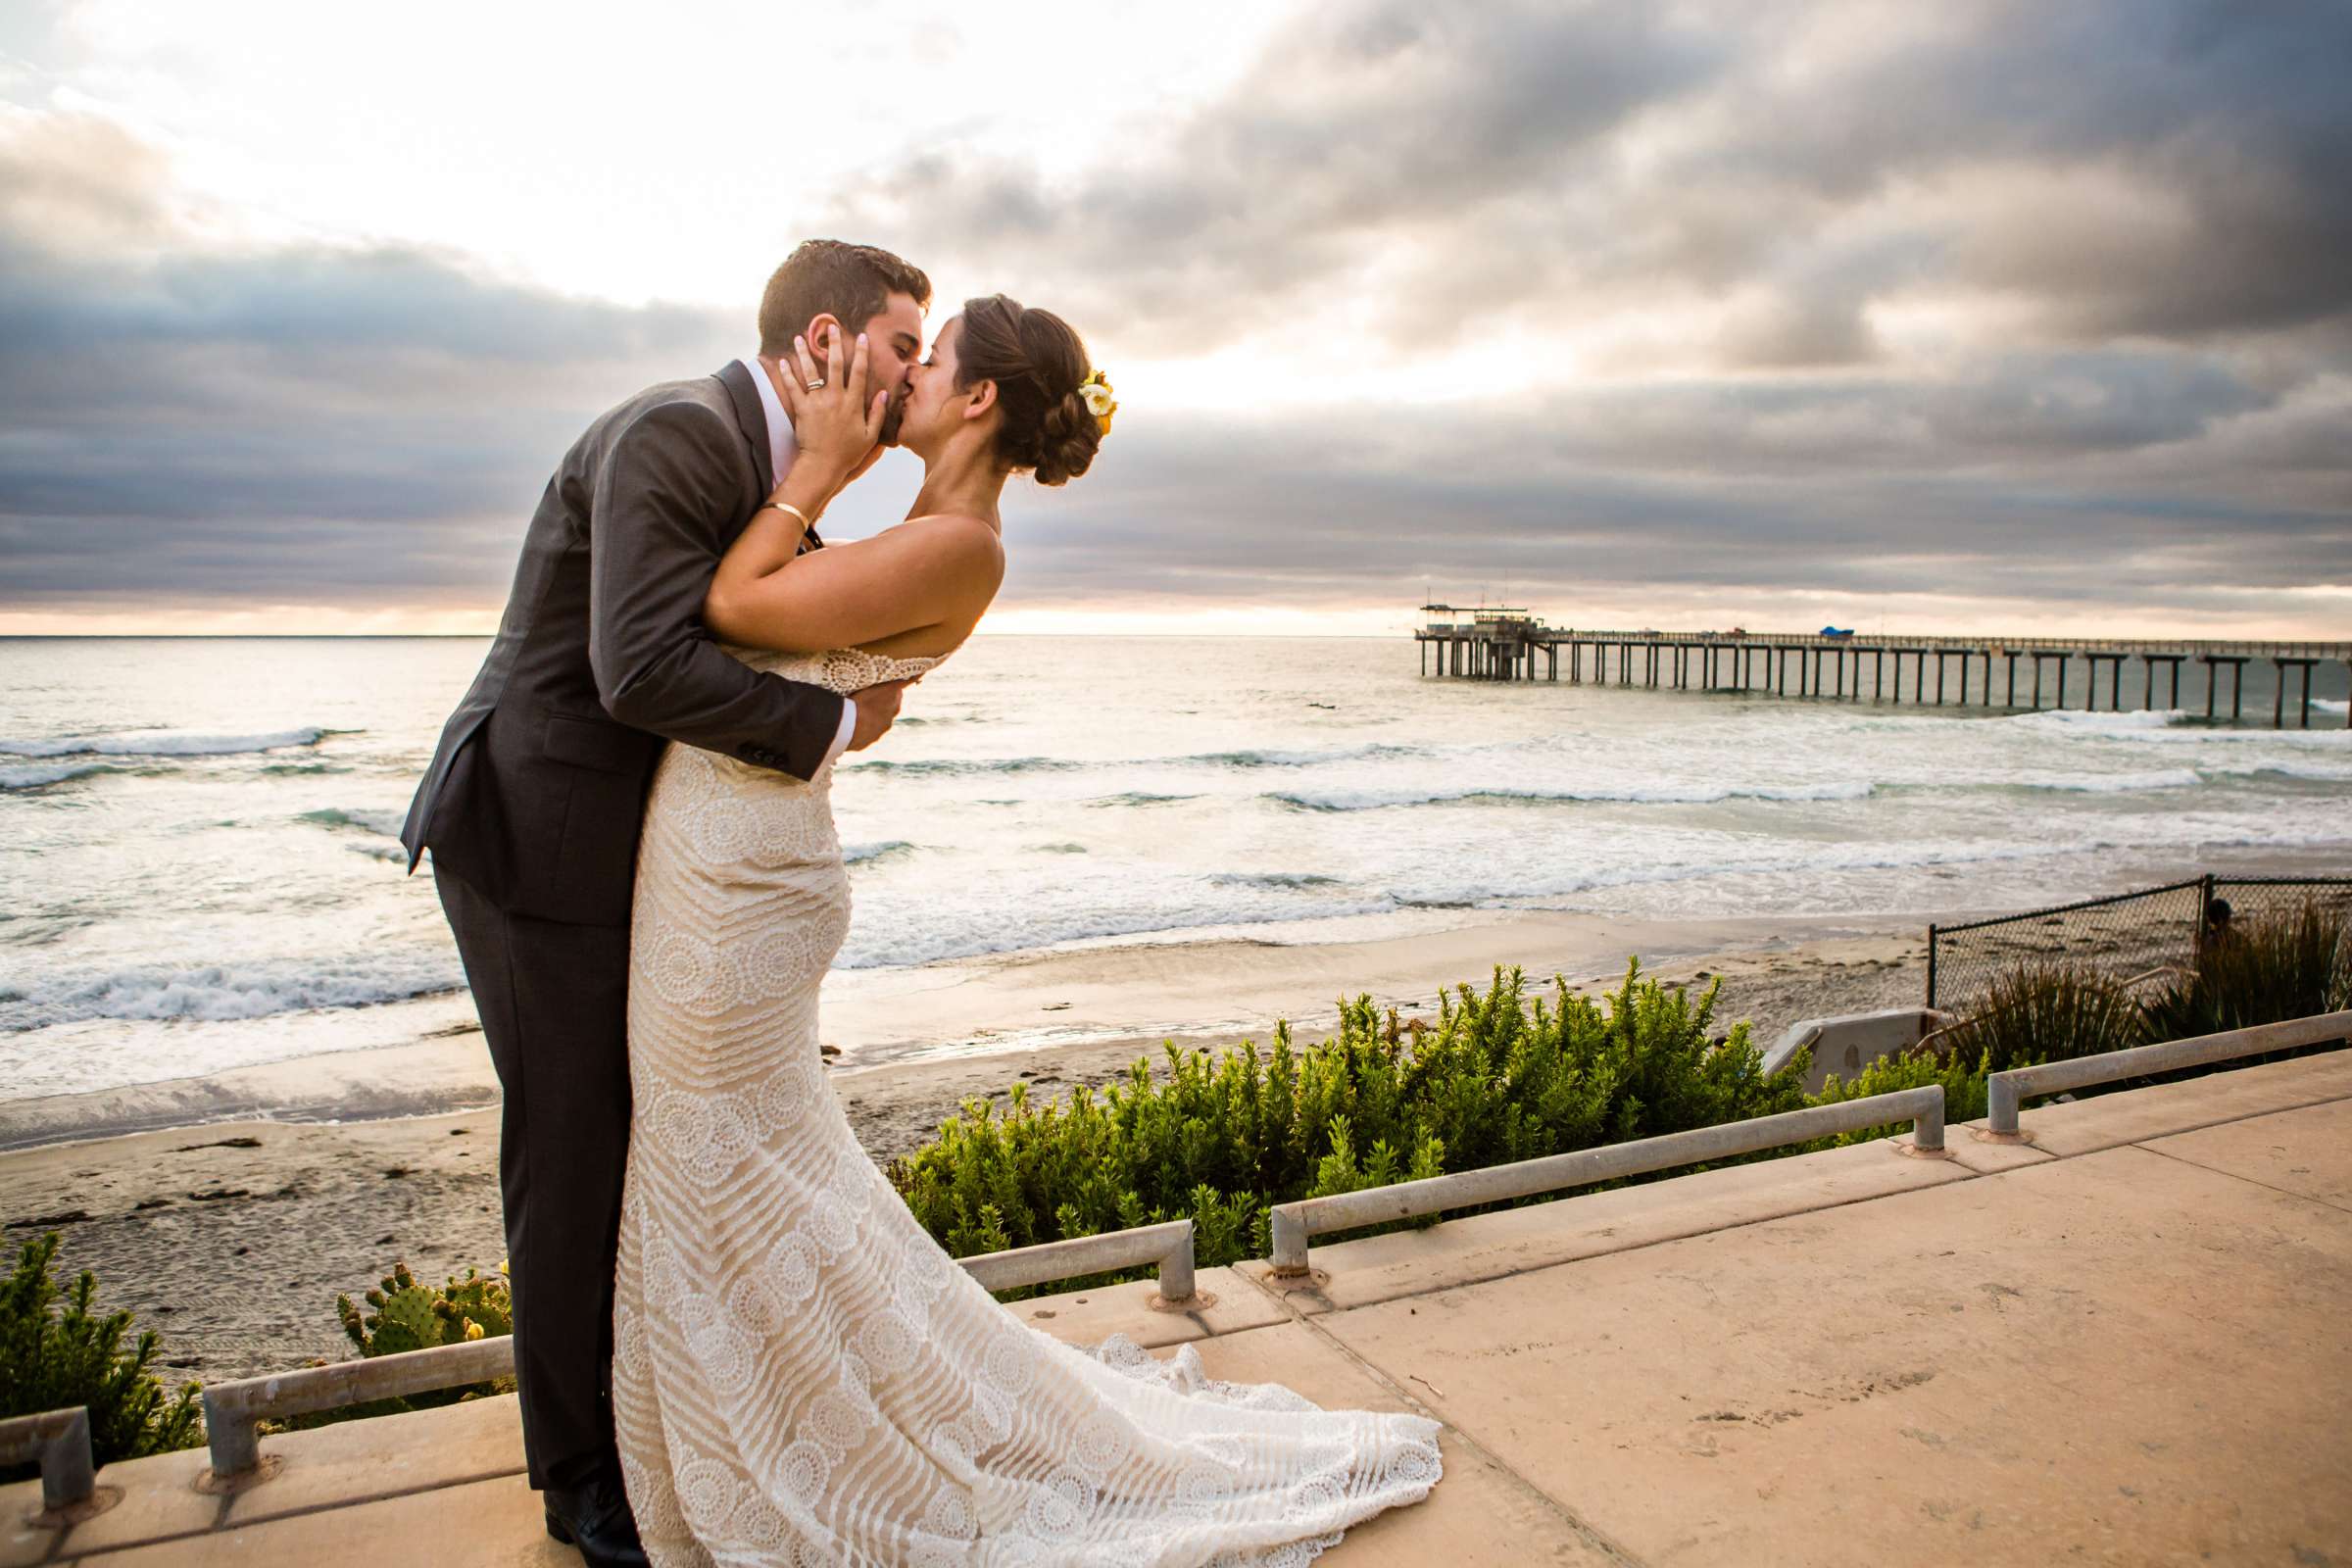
x=232, y=1237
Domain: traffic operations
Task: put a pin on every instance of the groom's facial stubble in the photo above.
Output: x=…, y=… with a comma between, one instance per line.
x=894, y=338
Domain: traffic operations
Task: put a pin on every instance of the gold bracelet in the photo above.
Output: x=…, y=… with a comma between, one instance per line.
x=806, y=522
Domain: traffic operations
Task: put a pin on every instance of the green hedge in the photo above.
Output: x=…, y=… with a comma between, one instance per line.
x=58, y=1350
x=1221, y=1139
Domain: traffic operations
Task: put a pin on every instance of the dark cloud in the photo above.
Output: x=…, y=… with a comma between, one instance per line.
x=2127, y=167
x=1365, y=132
x=1569, y=513
x=2132, y=216
x=183, y=419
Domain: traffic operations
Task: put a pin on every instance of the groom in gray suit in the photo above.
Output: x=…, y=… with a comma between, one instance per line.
x=533, y=801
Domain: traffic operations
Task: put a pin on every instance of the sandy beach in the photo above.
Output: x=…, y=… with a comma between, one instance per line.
x=227, y=1213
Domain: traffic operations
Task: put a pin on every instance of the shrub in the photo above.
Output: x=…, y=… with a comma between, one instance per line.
x=1222, y=1139
x=1961, y=1079
x=51, y=1359
x=1502, y=1077
x=409, y=1316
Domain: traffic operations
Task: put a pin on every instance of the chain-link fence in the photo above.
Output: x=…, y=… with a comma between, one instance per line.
x=2263, y=898
x=2123, y=935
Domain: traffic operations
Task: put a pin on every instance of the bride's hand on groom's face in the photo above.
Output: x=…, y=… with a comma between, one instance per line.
x=836, y=419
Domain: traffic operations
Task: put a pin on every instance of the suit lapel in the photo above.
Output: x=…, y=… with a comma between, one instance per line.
x=750, y=417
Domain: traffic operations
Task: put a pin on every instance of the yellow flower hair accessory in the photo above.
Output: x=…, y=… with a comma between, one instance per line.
x=1096, y=389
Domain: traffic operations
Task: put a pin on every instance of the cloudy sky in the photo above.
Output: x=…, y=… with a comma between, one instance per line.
x=1962, y=317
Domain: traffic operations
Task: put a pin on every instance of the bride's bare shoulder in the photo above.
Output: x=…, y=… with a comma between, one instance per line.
x=950, y=538
x=948, y=530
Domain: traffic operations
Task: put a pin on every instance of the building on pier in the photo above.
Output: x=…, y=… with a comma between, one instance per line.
x=1515, y=643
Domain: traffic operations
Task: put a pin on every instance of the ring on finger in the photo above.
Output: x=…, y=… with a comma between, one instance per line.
x=816, y=384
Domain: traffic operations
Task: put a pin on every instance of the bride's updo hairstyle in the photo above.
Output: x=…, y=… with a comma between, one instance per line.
x=1039, y=364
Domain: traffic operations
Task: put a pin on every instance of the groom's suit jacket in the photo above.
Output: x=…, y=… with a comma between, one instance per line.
x=536, y=791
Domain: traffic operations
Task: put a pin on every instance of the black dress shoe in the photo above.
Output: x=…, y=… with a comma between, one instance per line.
x=595, y=1518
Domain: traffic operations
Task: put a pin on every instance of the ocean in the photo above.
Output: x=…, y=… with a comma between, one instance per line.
x=200, y=870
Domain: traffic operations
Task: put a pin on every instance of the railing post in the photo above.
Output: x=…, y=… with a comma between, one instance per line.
x=1290, y=1240
x=1926, y=1120
x=1176, y=1270
x=236, y=1439
x=1930, y=965
x=2001, y=1106
x=59, y=1441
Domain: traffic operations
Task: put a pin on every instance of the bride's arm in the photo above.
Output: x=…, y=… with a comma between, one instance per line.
x=928, y=573
x=837, y=438
x=766, y=595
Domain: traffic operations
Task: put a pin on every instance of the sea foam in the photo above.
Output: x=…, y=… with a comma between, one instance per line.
x=2170, y=778
x=160, y=743
x=1629, y=794
x=39, y=775
x=247, y=989
x=384, y=821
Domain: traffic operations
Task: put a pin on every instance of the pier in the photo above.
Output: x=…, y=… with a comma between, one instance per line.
x=2017, y=672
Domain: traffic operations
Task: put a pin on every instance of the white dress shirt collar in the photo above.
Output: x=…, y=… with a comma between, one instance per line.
x=780, y=450
x=780, y=445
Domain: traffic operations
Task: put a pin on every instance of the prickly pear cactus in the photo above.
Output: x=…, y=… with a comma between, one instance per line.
x=402, y=1313
x=475, y=1307
x=407, y=1315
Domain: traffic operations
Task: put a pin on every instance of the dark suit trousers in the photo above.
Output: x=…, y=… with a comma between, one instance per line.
x=554, y=1006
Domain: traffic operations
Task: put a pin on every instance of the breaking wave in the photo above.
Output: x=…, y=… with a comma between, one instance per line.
x=248, y=989
x=40, y=775
x=1659, y=795
x=162, y=743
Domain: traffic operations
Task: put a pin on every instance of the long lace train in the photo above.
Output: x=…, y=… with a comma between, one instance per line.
x=801, y=1374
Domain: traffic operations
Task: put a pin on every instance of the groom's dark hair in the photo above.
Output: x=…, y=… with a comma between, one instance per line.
x=831, y=276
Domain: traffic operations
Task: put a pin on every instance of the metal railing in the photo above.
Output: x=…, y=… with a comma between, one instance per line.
x=2006, y=1090
x=60, y=1439
x=233, y=1411
x=1169, y=1244
x=1294, y=1222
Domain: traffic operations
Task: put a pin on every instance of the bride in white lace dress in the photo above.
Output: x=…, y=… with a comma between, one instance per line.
x=802, y=1374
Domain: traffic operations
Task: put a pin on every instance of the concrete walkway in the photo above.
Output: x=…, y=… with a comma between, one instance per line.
x=2124, y=1343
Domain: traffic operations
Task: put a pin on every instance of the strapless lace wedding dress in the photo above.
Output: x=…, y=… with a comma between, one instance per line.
x=802, y=1374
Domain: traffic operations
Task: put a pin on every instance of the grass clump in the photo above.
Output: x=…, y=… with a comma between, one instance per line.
x=2258, y=971
x=2265, y=970
x=2047, y=1011
x=1500, y=1077
x=58, y=1350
